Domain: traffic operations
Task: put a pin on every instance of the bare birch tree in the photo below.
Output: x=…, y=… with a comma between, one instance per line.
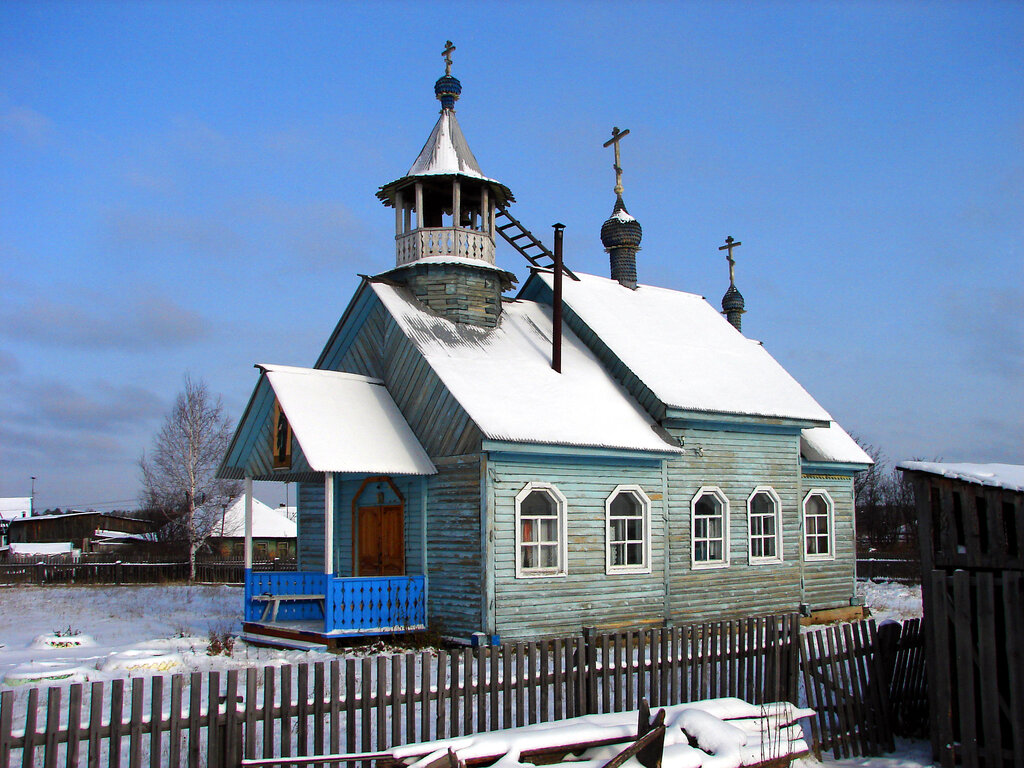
x=179, y=473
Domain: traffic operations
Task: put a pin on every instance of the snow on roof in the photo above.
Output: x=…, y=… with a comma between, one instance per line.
x=40, y=548
x=503, y=378
x=686, y=352
x=15, y=506
x=1008, y=476
x=446, y=152
x=831, y=443
x=346, y=423
x=267, y=523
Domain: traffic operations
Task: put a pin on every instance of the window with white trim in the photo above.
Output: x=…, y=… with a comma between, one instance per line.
x=709, y=528
x=818, y=526
x=764, y=525
x=628, y=531
x=540, y=531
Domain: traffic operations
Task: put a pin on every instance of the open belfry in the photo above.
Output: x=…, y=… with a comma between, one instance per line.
x=590, y=451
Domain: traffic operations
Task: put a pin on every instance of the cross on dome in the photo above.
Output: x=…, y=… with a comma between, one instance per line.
x=447, y=55
x=730, y=243
x=617, y=136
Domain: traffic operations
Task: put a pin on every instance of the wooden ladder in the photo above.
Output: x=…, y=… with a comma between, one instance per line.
x=520, y=238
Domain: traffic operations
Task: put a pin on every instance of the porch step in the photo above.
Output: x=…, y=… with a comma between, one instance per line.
x=290, y=643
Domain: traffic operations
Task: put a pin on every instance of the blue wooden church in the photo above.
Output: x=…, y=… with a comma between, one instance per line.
x=451, y=478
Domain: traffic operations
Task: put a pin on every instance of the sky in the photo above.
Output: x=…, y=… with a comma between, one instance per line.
x=189, y=188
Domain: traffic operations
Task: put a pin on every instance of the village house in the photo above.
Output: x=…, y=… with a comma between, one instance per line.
x=593, y=451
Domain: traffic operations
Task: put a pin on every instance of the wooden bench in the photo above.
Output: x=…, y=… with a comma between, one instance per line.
x=273, y=603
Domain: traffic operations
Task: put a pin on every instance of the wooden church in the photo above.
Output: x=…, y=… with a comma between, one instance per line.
x=592, y=452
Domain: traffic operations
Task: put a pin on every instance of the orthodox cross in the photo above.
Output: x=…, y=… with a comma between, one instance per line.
x=448, y=48
x=729, y=245
x=617, y=136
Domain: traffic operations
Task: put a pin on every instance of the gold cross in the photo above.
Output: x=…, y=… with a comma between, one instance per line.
x=617, y=136
x=729, y=245
x=448, y=48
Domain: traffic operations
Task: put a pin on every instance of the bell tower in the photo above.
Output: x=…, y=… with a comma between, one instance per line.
x=444, y=221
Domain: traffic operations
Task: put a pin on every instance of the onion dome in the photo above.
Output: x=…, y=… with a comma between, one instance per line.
x=621, y=230
x=733, y=300
x=447, y=89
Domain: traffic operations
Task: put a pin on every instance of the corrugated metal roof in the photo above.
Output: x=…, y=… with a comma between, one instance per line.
x=685, y=352
x=346, y=423
x=831, y=443
x=502, y=377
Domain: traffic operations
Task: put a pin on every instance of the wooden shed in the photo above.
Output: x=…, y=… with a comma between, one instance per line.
x=971, y=530
x=592, y=452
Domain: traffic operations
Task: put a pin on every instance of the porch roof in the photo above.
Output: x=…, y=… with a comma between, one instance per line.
x=341, y=422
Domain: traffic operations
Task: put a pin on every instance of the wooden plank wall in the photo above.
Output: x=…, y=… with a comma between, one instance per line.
x=311, y=527
x=831, y=583
x=736, y=462
x=454, y=566
x=586, y=596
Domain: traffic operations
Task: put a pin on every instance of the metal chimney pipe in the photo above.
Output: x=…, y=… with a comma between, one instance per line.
x=556, y=309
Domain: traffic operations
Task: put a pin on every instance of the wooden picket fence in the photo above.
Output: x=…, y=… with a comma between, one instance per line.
x=863, y=688
x=63, y=571
x=374, y=703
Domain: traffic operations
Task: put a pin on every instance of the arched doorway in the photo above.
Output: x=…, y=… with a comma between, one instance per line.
x=378, y=514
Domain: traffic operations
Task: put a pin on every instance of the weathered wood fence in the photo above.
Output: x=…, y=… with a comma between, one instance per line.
x=374, y=703
x=51, y=571
x=976, y=621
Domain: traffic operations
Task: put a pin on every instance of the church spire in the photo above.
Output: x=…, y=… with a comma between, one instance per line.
x=444, y=220
x=732, y=303
x=621, y=233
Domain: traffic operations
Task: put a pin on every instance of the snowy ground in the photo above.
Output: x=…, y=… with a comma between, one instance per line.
x=168, y=627
x=891, y=600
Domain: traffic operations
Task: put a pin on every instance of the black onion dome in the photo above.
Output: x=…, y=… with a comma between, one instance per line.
x=447, y=89
x=733, y=300
x=621, y=231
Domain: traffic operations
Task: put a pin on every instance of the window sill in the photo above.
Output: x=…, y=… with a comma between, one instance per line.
x=708, y=566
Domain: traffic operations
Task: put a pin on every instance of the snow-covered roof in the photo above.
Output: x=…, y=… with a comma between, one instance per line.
x=831, y=443
x=1008, y=476
x=446, y=152
x=502, y=377
x=15, y=506
x=267, y=523
x=346, y=423
x=690, y=357
x=40, y=548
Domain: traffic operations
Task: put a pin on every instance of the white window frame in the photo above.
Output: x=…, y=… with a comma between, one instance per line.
x=778, y=556
x=830, y=518
x=645, y=515
x=699, y=565
x=562, y=568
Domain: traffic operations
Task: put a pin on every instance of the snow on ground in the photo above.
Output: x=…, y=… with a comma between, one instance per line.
x=908, y=754
x=891, y=600
x=128, y=625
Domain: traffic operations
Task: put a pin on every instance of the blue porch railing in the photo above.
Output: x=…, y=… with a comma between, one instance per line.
x=351, y=605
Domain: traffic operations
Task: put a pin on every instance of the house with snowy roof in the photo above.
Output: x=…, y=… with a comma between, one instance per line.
x=272, y=532
x=593, y=451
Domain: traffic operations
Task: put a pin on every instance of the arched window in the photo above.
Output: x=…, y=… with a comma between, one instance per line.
x=709, y=529
x=819, y=537
x=540, y=531
x=628, y=531
x=764, y=524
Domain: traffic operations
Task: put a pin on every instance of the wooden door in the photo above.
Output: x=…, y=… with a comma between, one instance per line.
x=381, y=541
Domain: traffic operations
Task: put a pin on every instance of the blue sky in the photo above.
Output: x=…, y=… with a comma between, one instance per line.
x=190, y=187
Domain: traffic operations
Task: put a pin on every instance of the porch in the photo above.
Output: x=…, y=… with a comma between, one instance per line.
x=328, y=606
